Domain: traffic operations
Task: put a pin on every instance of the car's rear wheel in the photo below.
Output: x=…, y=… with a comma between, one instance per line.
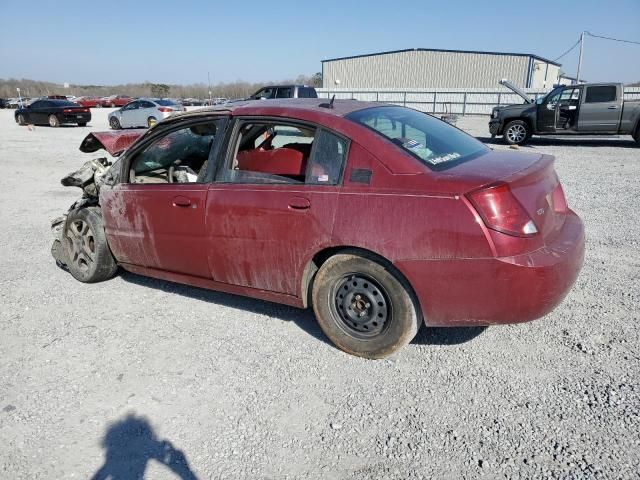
x=363, y=305
x=151, y=121
x=82, y=124
x=88, y=256
x=114, y=123
x=20, y=119
x=113, y=105
x=53, y=121
x=516, y=132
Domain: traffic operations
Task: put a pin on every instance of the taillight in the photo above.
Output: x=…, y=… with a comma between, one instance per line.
x=67, y=110
x=557, y=200
x=501, y=211
x=165, y=109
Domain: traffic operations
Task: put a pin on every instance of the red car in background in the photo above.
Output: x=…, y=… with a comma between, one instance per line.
x=115, y=101
x=379, y=217
x=89, y=102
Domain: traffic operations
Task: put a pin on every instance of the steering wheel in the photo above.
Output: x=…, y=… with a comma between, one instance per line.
x=266, y=143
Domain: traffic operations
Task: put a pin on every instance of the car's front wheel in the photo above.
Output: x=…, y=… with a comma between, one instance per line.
x=20, y=119
x=363, y=305
x=151, y=121
x=88, y=256
x=114, y=123
x=516, y=132
x=54, y=121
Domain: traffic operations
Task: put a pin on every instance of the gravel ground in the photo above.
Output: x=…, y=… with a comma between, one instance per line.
x=212, y=386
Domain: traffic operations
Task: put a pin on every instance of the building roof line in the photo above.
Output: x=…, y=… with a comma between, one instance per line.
x=537, y=57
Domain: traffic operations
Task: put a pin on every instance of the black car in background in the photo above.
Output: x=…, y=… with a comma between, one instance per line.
x=3, y=103
x=53, y=112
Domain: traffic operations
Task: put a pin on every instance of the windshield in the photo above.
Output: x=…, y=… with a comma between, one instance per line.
x=434, y=142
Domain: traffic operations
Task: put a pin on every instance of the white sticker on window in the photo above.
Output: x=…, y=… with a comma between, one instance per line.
x=323, y=178
x=444, y=158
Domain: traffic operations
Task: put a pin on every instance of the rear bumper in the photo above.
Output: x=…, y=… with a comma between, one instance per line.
x=75, y=118
x=488, y=291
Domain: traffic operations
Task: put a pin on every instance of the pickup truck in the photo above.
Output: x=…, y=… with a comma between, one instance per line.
x=585, y=109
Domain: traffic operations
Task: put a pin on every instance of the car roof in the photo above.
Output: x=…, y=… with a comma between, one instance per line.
x=340, y=108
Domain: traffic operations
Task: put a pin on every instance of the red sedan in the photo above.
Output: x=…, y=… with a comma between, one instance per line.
x=378, y=216
x=115, y=101
x=89, y=102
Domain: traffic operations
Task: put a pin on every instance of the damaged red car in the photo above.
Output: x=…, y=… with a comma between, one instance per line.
x=379, y=217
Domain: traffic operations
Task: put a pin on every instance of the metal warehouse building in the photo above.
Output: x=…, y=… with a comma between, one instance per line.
x=431, y=68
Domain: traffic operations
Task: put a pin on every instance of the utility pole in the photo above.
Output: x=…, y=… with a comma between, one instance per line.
x=209, y=83
x=580, y=58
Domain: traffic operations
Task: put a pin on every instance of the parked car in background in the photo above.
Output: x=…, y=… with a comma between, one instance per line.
x=144, y=112
x=3, y=103
x=52, y=112
x=378, y=216
x=284, y=91
x=15, y=102
x=587, y=109
x=115, y=101
x=90, y=102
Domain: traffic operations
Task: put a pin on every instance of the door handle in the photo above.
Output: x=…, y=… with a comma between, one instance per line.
x=299, y=203
x=181, y=201
x=612, y=107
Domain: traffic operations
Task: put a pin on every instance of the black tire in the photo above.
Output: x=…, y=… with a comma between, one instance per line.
x=151, y=121
x=54, y=121
x=363, y=305
x=20, y=119
x=516, y=132
x=88, y=256
x=114, y=123
x=82, y=124
x=636, y=136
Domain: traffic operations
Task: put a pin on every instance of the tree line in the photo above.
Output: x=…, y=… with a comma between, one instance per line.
x=238, y=89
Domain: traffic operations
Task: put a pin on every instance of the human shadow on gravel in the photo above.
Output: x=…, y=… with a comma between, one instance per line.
x=446, y=335
x=566, y=142
x=130, y=444
x=304, y=319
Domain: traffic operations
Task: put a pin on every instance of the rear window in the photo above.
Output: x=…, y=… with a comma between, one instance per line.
x=166, y=103
x=62, y=103
x=434, y=142
x=605, y=93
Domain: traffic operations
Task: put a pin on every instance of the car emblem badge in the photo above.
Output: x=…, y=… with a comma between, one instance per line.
x=540, y=211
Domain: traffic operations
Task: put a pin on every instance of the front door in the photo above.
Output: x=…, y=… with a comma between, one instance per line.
x=272, y=205
x=128, y=117
x=548, y=110
x=156, y=217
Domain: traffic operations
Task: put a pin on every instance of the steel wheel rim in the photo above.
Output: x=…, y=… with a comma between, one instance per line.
x=52, y=121
x=517, y=133
x=81, y=245
x=114, y=123
x=151, y=122
x=20, y=119
x=361, y=306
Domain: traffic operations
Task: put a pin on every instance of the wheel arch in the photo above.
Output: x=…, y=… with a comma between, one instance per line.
x=314, y=264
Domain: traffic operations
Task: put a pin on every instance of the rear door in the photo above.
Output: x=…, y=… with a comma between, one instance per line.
x=152, y=222
x=601, y=109
x=147, y=109
x=272, y=205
